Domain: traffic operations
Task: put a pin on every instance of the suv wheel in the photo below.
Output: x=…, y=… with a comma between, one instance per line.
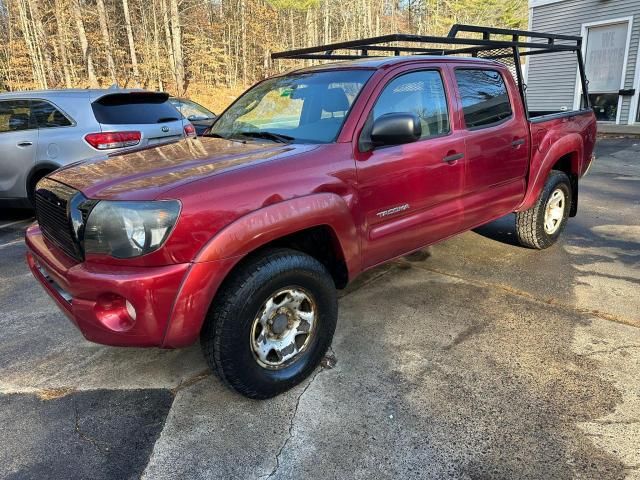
x=540, y=226
x=271, y=323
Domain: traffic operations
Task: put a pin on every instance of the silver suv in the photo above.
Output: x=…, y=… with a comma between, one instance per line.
x=41, y=131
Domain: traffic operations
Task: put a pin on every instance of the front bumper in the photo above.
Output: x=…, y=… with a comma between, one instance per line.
x=170, y=302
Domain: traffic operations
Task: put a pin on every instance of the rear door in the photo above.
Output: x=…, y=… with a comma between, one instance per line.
x=18, y=144
x=149, y=113
x=409, y=194
x=497, y=144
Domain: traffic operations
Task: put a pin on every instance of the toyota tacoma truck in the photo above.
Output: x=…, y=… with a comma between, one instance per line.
x=240, y=238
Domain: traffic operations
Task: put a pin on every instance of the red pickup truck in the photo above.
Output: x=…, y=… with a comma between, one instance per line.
x=240, y=238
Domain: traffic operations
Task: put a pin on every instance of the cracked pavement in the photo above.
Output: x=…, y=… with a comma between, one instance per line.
x=474, y=359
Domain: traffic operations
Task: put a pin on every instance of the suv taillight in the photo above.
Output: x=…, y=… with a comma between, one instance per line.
x=189, y=130
x=108, y=140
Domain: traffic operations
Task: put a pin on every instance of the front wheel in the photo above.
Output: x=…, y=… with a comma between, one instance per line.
x=271, y=323
x=540, y=226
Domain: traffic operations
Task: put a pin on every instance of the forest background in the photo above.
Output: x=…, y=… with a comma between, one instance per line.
x=208, y=50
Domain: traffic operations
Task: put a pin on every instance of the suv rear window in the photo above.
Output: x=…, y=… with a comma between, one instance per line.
x=134, y=108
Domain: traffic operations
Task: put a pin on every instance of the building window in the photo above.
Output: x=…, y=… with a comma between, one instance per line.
x=604, y=61
x=605, y=106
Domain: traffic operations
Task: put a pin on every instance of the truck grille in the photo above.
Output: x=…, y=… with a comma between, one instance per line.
x=52, y=199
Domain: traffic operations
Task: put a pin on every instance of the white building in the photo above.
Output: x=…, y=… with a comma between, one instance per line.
x=611, y=36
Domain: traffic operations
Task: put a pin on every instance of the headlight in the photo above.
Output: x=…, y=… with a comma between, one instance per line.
x=129, y=229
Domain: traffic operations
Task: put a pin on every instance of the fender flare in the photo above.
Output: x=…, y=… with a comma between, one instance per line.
x=277, y=220
x=570, y=144
x=230, y=245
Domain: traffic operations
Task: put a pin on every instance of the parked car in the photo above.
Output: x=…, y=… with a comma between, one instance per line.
x=199, y=116
x=240, y=238
x=41, y=131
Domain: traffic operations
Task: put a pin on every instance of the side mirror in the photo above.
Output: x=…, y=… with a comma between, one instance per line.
x=396, y=129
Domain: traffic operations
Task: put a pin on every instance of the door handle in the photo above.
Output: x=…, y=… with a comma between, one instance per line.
x=25, y=144
x=518, y=142
x=453, y=157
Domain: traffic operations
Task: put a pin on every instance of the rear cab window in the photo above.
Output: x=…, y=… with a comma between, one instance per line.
x=485, y=101
x=142, y=108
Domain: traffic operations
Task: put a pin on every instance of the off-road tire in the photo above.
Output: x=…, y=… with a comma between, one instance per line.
x=530, y=223
x=225, y=337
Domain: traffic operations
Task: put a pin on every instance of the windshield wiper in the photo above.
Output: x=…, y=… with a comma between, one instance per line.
x=276, y=137
x=167, y=119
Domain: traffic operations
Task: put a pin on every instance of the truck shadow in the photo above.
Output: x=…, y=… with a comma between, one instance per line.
x=502, y=230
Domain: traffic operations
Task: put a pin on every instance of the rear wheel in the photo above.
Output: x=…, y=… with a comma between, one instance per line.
x=540, y=226
x=271, y=323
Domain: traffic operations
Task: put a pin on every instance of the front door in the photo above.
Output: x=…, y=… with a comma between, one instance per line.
x=409, y=193
x=18, y=143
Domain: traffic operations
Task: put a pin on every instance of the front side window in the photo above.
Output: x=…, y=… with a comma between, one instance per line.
x=14, y=115
x=421, y=93
x=305, y=108
x=485, y=101
x=46, y=115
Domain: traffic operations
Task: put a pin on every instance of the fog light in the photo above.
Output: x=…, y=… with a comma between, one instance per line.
x=114, y=312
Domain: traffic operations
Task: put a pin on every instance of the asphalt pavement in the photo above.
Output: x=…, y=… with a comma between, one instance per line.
x=475, y=359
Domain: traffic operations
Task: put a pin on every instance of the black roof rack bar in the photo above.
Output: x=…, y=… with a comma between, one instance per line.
x=455, y=29
x=391, y=48
x=520, y=43
x=524, y=54
x=323, y=56
x=377, y=44
x=367, y=44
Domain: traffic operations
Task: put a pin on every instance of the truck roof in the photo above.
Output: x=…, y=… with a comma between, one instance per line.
x=382, y=62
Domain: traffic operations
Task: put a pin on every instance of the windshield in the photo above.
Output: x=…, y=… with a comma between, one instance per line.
x=191, y=110
x=303, y=108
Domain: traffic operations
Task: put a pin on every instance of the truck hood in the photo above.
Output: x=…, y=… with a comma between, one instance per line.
x=147, y=173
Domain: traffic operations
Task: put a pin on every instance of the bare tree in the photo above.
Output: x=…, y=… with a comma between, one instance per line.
x=203, y=46
x=61, y=40
x=84, y=45
x=106, y=38
x=176, y=35
x=40, y=39
x=132, y=47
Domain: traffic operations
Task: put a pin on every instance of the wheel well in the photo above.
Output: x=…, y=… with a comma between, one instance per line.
x=565, y=164
x=320, y=243
x=37, y=173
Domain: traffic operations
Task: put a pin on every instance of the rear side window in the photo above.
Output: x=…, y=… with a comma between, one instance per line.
x=421, y=93
x=485, y=101
x=134, y=108
x=14, y=115
x=46, y=115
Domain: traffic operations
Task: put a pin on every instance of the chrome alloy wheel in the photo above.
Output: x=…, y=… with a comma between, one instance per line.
x=283, y=328
x=554, y=211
